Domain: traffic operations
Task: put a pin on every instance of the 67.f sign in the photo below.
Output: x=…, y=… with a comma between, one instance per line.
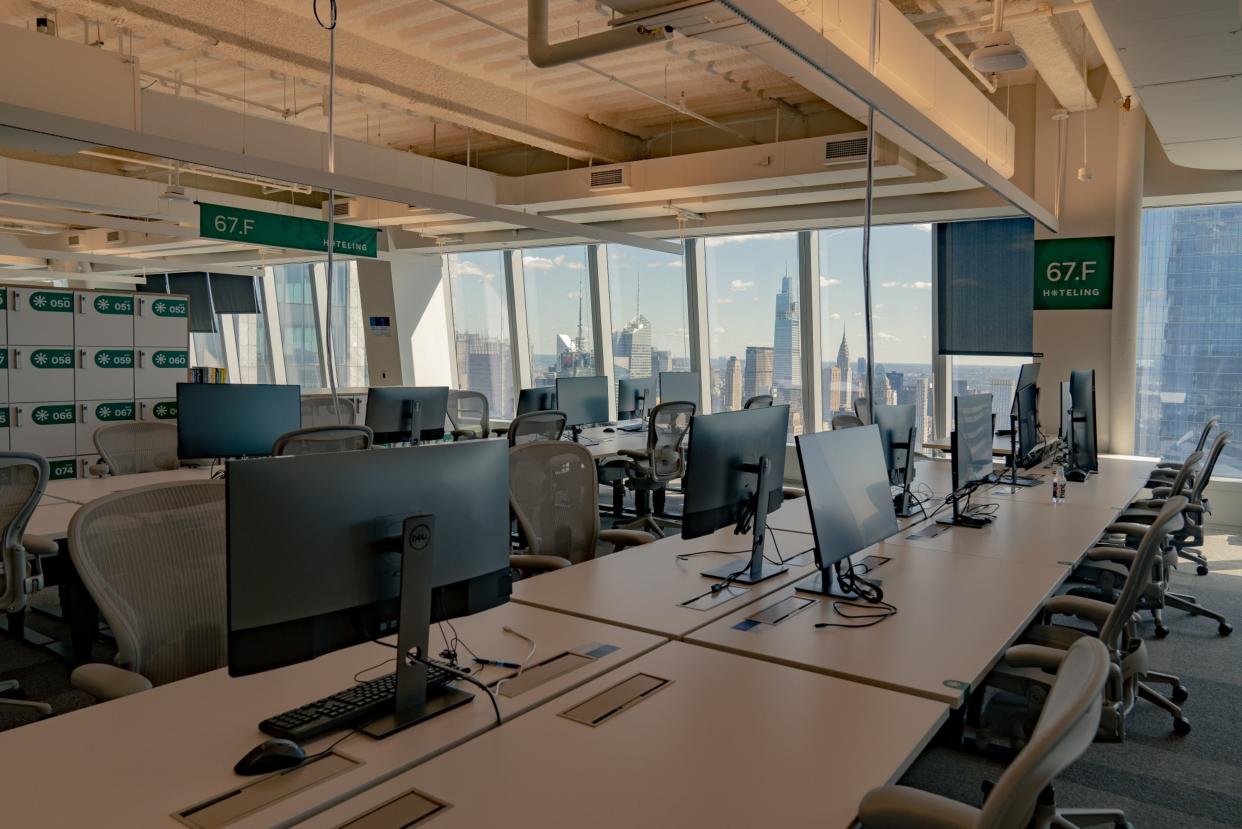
x=236, y=226
x=1074, y=274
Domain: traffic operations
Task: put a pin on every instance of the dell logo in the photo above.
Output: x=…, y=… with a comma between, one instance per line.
x=420, y=537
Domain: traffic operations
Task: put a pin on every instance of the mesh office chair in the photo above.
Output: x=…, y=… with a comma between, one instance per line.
x=153, y=559
x=1165, y=470
x=467, y=414
x=319, y=439
x=553, y=495
x=861, y=410
x=23, y=477
x=649, y=472
x=1041, y=648
x=759, y=401
x=317, y=410
x=846, y=421
x=128, y=448
x=1022, y=797
x=536, y=426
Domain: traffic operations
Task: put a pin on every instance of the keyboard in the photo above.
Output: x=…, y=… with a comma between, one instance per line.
x=637, y=427
x=351, y=707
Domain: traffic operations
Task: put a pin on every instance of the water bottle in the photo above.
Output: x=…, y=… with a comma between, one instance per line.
x=1058, y=486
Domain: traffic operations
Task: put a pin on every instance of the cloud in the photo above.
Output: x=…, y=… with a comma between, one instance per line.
x=828, y=281
x=741, y=285
x=724, y=300
x=538, y=263
x=888, y=284
x=888, y=338
x=575, y=266
x=912, y=286
x=573, y=295
x=717, y=241
x=926, y=228
x=676, y=263
x=834, y=316
x=464, y=267
x=719, y=329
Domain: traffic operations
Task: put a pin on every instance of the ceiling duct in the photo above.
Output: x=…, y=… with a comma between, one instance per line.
x=603, y=179
x=544, y=54
x=845, y=151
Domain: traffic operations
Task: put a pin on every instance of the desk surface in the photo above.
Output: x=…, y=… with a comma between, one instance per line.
x=85, y=490
x=1001, y=445
x=51, y=520
x=139, y=759
x=729, y=742
x=610, y=443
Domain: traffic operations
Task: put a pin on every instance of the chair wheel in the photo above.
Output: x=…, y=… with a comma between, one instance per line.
x=1180, y=694
x=1224, y=629
x=1161, y=631
x=1181, y=726
x=1202, y=569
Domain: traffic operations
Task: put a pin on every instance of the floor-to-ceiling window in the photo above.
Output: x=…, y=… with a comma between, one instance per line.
x=348, y=332
x=558, y=313
x=650, y=331
x=484, y=356
x=1189, y=365
x=299, y=327
x=254, y=347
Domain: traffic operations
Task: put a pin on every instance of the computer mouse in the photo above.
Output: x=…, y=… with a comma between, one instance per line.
x=273, y=755
x=609, y=429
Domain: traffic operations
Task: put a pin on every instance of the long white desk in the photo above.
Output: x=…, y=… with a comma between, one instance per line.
x=729, y=742
x=85, y=490
x=138, y=760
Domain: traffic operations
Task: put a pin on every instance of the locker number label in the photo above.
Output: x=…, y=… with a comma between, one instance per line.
x=165, y=411
x=4, y=417
x=171, y=359
x=52, y=358
x=108, y=412
x=171, y=308
x=61, y=470
x=114, y=358
x=52, y=301
x=110, y=304
x=52, y=415
x=4, y=355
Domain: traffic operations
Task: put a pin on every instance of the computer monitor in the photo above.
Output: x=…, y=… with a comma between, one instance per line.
x=680, y=387
x=897, y=437
x=735, y=473
x=1085, y=457
x=972, y=453
x=1067, y=421
x=318, y=546
x=847, y=494
x=541, y=399
x=392, y=412
x=584, y=400
x=226, y=420
x=636, y=396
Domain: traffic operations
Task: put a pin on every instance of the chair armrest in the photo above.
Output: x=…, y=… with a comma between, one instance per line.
x=791, y=493
x=105, y=682
x=1169, y=465
x=1093, y=610
x=525, y=561
x=500, y=430
x=37, y=545
x=900, y=807
x=632, y=453
x=461, y=434
x=1127, y=529
x=625, y=538
x=1034, y=656
x=1119, y=555
x=99, y=470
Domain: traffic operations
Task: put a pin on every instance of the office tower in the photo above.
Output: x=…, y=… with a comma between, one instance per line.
x=960, y=388
x=843, y=355
x=486, y=365
x=632, y=347
x=840, y=391
x=660, y=361
x=861, y=368
x=787, y=340
x=1002, y=399
x=757, y=378
x=918, y=388
x=896, y=380
x=731, y=385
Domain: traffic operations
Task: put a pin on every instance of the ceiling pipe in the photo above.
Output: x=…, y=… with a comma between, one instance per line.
x=546, y=55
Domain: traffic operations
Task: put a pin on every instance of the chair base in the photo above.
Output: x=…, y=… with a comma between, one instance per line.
x=650, y=523
x=10, y=686
x=1190, y=604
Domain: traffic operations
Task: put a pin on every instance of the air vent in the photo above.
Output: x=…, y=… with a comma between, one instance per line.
x=340, y=208
x=73, y=241
x=114, y=236
x=610, y=178
x=845, y=151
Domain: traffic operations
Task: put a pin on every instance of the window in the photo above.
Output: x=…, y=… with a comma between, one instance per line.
x=299, y=326
x=558, y=314
x=209, y=348
x=1189, y=365
x=254, y=348
x=349, y=348
x=648, y=300
x=753, y=314
x=484, y=356
x=997, y=376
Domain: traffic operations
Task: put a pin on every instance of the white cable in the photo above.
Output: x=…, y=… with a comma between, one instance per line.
x=529, y=656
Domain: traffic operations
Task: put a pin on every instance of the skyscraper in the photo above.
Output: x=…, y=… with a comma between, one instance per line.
x=632, y=347
x=757, y=378
x=1002, y=389
x=787, y=340
x=731, y=394
x=843, y=355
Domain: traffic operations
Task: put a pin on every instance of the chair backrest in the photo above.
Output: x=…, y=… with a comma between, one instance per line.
x=317, y=410
x=153, y=559
x=666, y=433
x=536, y=426
x=1149, y=547
x=861, y=410
x=759, y=401
x=137, y=446
x=23, y=477
x=846, y=421
x=1207, y=430
x=554, y=493
x=320, y=439
x=1185, y=477
x=467, y=411
x=1205, y=475
x=1067, y=726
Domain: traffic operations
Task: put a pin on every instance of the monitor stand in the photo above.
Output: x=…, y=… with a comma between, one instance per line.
x=1013, y=480
x=415, y=702
x=902, y=501
x=958, y=519
x=576, y=432
x=827, y=582
x=757, y=569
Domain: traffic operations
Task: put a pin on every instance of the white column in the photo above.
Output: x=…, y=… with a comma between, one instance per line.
x=519, y=334
x=809, y=314
x=601, y=318
x=1127, y=248
x=697, y=319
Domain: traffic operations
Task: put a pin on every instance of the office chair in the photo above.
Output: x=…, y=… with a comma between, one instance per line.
x=467, y=414
x=1165, y=470
x=23, y=477
x=861, y=410
x=846, y=421
x=1040, y=649
x=317, y=410
x=128, y=448
x=650, y=471
x=536, y=426
x=554, y=496
x=759, y=401
x=319, y=439
x=153, y=559
x=1022, y=797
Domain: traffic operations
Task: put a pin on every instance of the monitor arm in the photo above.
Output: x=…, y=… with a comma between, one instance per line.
x=752, y=516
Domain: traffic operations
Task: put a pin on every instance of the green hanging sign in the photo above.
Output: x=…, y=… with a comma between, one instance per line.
x=253, y=227
x=1074, y=274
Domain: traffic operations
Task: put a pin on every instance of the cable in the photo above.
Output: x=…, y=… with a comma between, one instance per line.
x=330, y=27
x=781, y=555
x=887, y=611
x=529, y=656
x=422, y=660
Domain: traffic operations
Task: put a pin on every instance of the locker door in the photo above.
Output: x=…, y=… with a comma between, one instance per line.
x=96, y=413
x=6, y=415
x=160, y=370
x=158, y=409
x=40, y=317
x=104, y=374
x=104, y=319
x=46, y=429
x=4, y=370
x=37, y=374
x=161, y=320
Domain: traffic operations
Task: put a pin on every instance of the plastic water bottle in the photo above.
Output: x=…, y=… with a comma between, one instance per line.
x=1058, y=486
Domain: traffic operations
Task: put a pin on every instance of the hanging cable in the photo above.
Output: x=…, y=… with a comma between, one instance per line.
x=330, y=26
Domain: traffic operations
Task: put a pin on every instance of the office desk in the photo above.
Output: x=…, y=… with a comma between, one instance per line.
x=729, y=742
x=85, y=490
x=608, y=444
x=1115, y=485
x=51, y=520
x=137, y=760
x=1001, y=446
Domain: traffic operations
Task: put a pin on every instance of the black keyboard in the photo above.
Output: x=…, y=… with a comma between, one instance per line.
x=351, y=707
x=637, y=427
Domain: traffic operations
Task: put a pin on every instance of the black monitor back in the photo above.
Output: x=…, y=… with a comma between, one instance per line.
x=972, y=449
x=314, y=544
x=895, y=423
x=720, y=445
x=227, y=420
x=629, y=392
x=1082, y=401
x=584, y=400
x=390, y=412
x=680, y=386
x=541, y=399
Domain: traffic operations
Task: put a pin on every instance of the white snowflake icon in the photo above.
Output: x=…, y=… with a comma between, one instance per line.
x=104, y=411
x=103, y=359
x=159, y=359
x=38, y=301
x=159, y=307
x=40, y=359
x=102, y=303
x=161, y=410
x=41, y=415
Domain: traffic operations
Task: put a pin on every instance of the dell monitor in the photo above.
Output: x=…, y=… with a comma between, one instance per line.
x=584, y=400
x=848, y=498
x=319, y=547
x=636, y=396
x=407, y=413
x=680, y=387
x=897, y=436
x=735, y=473
x=223, y=420
x=1023, y=431
x=972, y=453
x=541, y=399
x=1085, y=457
